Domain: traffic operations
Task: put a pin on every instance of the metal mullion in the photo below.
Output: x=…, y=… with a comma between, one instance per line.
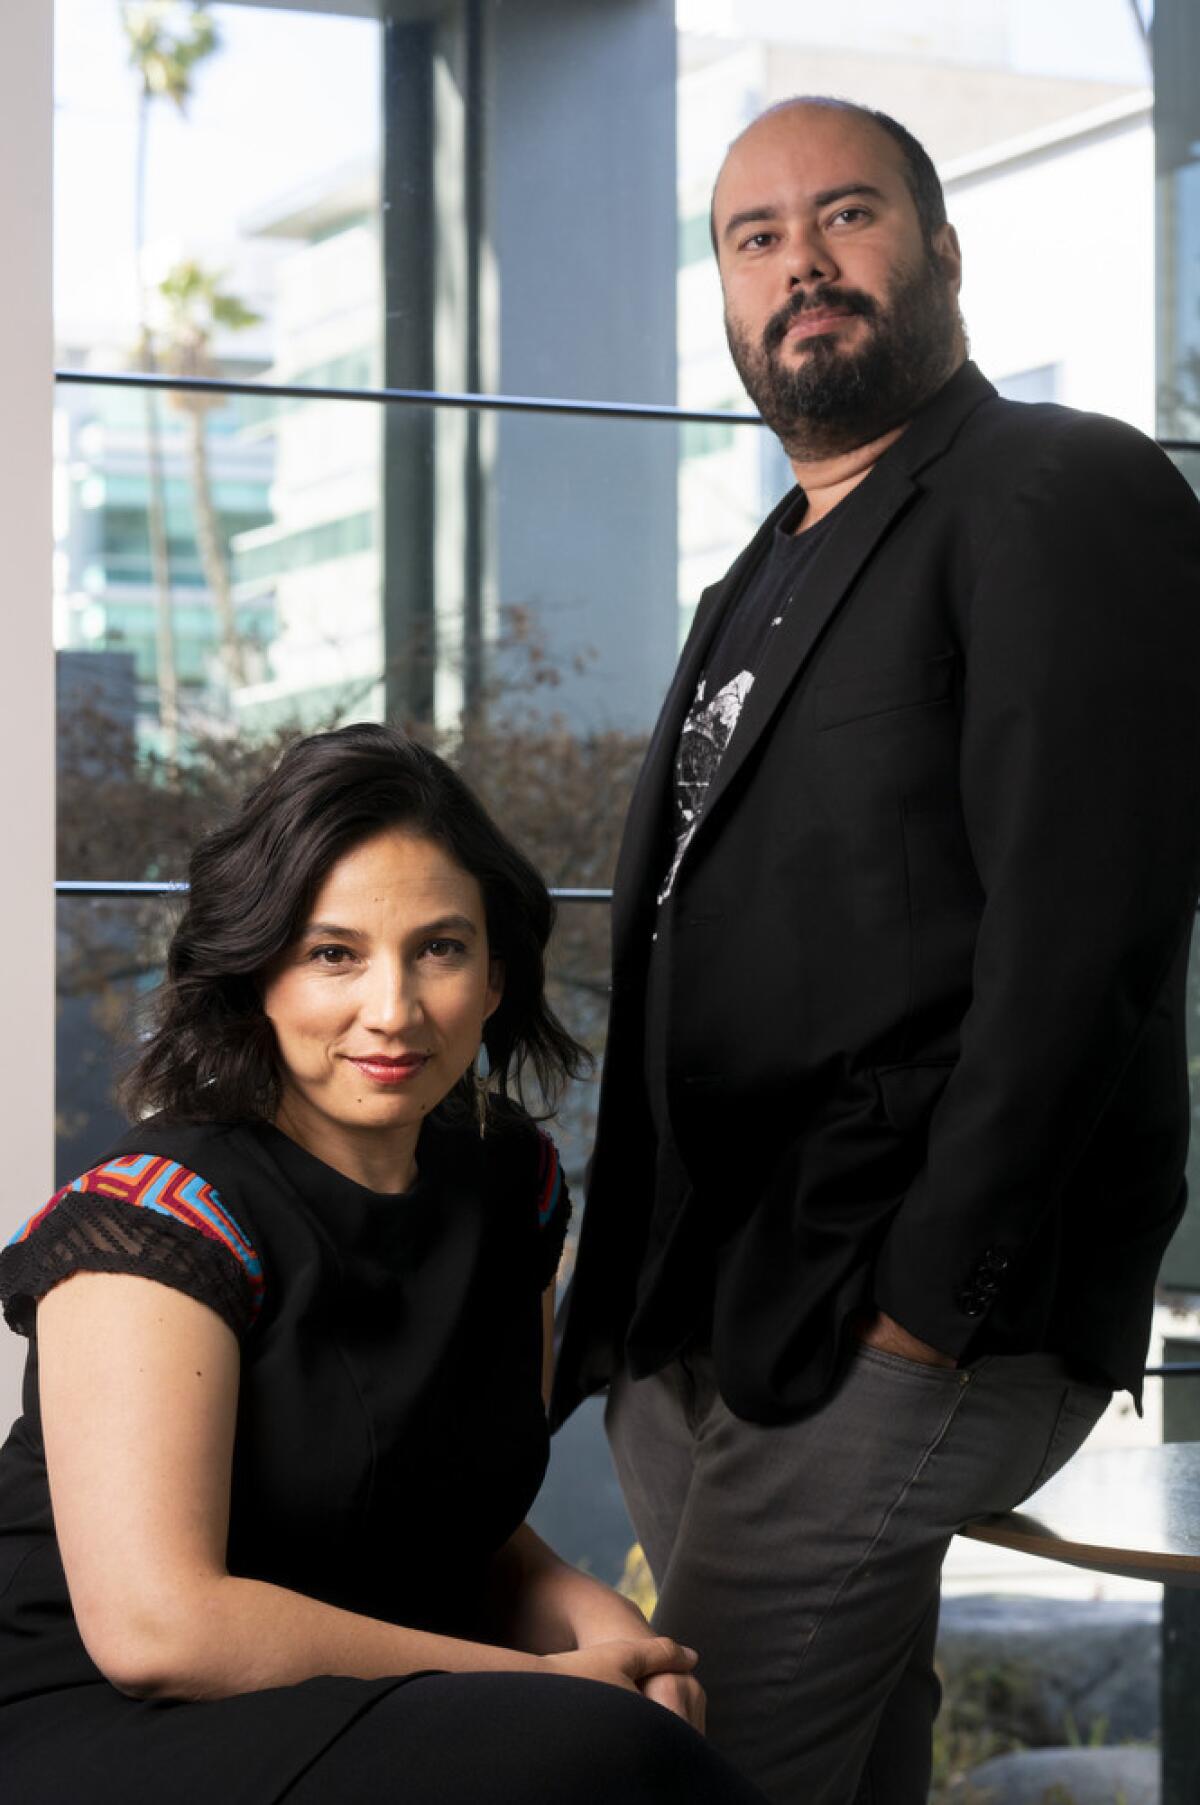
x=135, y=887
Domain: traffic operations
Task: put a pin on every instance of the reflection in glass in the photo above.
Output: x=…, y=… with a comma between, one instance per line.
x=109, y=953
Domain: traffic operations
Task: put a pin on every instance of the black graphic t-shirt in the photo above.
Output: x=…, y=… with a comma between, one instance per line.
x=662, y=1324
x=733, y=661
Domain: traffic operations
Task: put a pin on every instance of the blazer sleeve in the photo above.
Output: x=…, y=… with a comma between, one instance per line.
x=1080, y=785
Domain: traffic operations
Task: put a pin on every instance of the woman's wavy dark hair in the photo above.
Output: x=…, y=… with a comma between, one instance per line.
x=212, y=1055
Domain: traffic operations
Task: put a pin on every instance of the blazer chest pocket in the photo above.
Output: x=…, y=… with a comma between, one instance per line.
x=909, y=1092
x=889, y=689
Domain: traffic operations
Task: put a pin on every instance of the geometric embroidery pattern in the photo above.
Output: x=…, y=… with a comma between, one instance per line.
x=148, y=1181
x=549, y=1178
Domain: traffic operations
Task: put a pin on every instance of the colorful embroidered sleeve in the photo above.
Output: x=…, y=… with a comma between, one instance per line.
x=553, y=1207
x=140, y=1214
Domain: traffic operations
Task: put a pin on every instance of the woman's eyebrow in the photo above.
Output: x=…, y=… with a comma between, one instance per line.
x=329, y=930
x=442, y=924
x=460, y=924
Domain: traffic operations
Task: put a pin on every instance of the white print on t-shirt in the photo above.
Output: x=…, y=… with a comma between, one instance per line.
x=707, y=730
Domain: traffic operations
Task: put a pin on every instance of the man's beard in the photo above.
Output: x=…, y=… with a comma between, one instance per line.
x=831, y=400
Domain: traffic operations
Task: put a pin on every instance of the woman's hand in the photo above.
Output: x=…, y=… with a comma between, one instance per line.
x=608, y=1619
x=681, y=1693
x=576, y=1625
x=653, y=1665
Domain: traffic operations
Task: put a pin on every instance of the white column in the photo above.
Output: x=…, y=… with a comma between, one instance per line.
x=26, y=653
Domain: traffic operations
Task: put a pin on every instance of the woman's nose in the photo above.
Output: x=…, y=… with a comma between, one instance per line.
x=392, y=1001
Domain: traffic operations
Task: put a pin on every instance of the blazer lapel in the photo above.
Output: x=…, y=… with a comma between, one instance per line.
x=644, y=839
x=868, y=513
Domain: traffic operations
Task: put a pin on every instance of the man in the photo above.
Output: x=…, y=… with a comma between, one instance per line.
x=894, y=1113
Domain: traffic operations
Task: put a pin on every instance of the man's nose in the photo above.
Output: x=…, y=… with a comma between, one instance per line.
x=809, y=258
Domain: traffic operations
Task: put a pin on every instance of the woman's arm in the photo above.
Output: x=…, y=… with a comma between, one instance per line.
x=547, y=1342
x=541, y=1603
x=139, y=1393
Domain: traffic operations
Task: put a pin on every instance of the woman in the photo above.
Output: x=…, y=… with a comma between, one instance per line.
x=286, y=1345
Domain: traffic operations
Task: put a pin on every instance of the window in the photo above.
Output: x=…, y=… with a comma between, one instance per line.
x=232, y=567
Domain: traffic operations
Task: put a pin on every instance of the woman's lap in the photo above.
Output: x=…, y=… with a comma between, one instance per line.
x=507, y=1738
x=436, y=1739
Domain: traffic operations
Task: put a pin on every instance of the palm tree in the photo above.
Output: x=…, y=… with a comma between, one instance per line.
x=165, y=45
x=197, y=306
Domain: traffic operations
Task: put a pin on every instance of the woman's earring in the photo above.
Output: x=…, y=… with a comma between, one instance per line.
x=481, y=1071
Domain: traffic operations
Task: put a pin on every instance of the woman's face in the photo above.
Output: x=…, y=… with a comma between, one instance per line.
x=378, y=1007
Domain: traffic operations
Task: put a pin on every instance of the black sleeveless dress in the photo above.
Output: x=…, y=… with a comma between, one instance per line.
x=390, y=1435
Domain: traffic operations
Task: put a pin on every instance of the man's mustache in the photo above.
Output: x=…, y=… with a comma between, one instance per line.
x=815, y=300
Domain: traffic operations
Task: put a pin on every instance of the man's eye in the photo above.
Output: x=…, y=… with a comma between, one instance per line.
x=757, y=240
x=849, y=214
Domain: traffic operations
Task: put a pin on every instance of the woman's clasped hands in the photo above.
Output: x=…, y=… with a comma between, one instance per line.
x=655, y=1666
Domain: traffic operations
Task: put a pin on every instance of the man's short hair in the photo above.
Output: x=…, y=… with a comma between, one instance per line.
x=924, y=184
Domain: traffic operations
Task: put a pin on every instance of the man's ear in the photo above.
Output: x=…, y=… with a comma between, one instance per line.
x=948, y=252
x=495, y=987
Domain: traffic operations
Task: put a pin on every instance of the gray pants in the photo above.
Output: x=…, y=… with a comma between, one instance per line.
x=803, y=1561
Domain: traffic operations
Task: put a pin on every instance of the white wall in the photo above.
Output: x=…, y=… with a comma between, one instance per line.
x=26, y=657
x=1058, y=266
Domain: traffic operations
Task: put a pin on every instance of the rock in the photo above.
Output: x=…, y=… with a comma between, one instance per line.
x=1063, y=1777
x=1048, y=1671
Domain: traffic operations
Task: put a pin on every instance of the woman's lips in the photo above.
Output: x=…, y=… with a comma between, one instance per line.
x=391, y=1071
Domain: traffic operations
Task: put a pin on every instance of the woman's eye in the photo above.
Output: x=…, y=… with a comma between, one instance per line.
x=329, y=955
x=445, y=949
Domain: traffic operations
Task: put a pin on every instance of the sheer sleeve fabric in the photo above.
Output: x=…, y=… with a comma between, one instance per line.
x=553, y=1208
x=140, y=1214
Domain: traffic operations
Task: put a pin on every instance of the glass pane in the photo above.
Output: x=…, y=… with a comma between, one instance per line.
x=217, y=578
x=203, y=226
x=579, y=1509
x=1040, y=122
x=507, y=585
x=1181, y=1268
x=1176, y=36
x=110, y=952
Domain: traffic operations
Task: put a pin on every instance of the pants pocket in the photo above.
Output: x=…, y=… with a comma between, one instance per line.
x=1080, y=1409
x=914, y=1369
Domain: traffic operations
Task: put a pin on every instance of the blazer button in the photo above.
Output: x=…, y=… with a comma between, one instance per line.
x=995, y=1260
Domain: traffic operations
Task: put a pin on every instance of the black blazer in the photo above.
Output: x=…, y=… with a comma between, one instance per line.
x=924, y=1041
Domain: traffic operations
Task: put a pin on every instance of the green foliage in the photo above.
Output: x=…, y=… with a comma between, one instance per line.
x=197, y=302
x=982, y=1709
x=166, y=42
x=197, y=305
x=1097, y=1732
